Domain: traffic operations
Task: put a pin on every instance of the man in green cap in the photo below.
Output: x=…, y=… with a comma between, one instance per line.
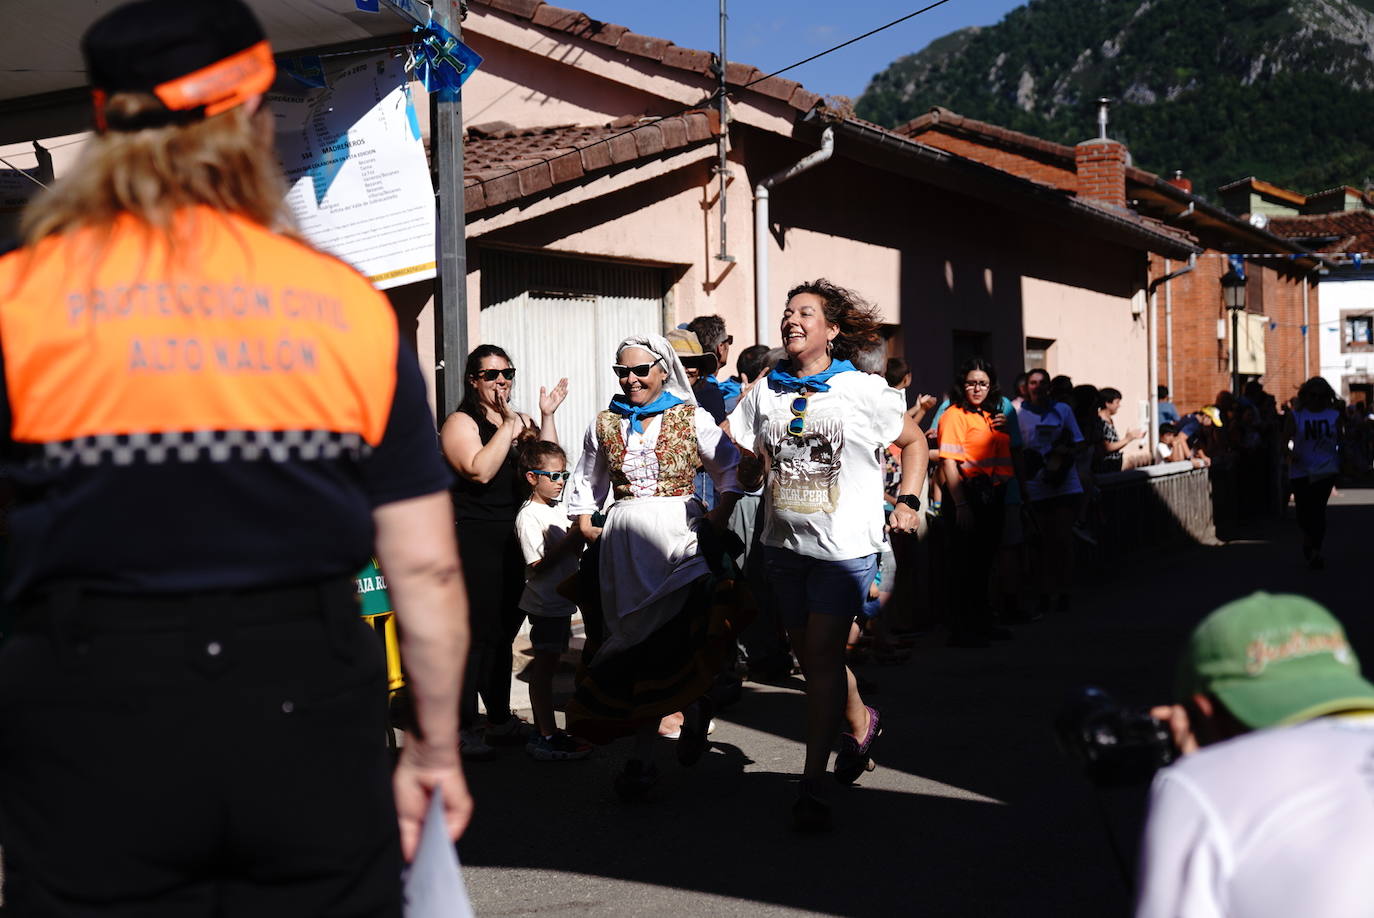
x=1264, y=822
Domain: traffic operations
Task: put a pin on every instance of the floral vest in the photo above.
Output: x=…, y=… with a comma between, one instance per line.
x=676, y=449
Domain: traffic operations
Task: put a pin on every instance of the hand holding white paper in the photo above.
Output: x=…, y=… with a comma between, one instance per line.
x=434, y=885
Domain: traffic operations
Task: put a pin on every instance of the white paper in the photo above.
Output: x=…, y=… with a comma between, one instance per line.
x=355, y=163
x=434, y=886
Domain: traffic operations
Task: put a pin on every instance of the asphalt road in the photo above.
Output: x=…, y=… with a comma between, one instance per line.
x=973, y=810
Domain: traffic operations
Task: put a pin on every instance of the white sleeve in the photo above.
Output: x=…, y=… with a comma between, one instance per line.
x=591, y=478
x=719, y=454
x=1185, y=859
x=743, y=420
x=881, y=413
x=531, y=536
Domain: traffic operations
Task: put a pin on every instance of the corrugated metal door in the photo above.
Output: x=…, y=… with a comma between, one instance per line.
x=561, y=317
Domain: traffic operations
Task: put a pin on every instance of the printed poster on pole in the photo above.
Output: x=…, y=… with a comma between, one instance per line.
x=355, y=162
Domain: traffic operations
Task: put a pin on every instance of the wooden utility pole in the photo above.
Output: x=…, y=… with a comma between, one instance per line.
x=451, y=257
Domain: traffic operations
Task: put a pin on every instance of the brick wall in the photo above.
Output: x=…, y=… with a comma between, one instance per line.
x=1101, y=166
x=1202, y=366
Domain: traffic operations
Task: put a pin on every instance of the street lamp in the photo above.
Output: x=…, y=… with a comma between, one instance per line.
x=1233, y=296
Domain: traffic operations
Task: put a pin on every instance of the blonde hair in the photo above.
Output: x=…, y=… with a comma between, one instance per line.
x=224, y=162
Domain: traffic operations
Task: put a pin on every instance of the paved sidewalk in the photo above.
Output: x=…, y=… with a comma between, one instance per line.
x=972, y=811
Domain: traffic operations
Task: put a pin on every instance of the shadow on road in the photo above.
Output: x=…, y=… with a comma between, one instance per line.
x=973, y=810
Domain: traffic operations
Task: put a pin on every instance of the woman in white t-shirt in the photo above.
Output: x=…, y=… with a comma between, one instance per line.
x=1313, y=432
x=820, y=427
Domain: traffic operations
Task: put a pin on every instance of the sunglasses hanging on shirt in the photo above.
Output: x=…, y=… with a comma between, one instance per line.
x=797, y=426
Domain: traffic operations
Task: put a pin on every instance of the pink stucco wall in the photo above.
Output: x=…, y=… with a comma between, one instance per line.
x=1112, y=354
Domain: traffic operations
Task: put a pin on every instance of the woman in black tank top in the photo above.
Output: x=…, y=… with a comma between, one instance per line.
x=479, y=441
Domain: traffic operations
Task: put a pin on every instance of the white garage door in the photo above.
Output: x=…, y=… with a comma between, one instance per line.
x=561, y=317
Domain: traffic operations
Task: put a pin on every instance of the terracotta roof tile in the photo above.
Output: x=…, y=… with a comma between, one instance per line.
x=649, y=140
x=674, y=133
x=534, y=177
x=643, y=45
x=574, y=22
x=503, y=164
x=623, y=147
x=1348, y=231
x=804, y=99
x=566, y=165
x=474, y=198
x=690, y=59
x=607, y=33
x=555, y=17
x=738, y=74
x=596, y=156
x=522, y=8
x=777, y=87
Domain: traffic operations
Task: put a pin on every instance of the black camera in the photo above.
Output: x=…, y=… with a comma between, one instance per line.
x=1117, y=745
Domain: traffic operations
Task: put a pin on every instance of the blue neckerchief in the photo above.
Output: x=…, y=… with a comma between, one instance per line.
x=636, y=413
x=779, y=380
x=730, y=388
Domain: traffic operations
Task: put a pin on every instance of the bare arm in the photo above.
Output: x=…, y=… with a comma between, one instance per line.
x=589, y=532
x=915, y=459
x=418, y=553
x=549, y=400
x=1116, y=446
x=953, y=482
x=464, y=450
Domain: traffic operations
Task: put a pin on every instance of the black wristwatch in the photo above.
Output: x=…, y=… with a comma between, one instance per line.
x=911, y=500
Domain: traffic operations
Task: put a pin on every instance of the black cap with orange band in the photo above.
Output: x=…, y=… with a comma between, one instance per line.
x=199, y=58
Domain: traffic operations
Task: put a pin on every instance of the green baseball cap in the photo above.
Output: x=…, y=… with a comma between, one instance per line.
x=1274, y=659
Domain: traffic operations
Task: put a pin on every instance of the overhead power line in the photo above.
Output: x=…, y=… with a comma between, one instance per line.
x=831, y=50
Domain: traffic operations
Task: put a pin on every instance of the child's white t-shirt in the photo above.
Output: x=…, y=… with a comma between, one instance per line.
x=540, y=528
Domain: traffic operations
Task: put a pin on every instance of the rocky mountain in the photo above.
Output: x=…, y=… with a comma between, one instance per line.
x=1222, y=89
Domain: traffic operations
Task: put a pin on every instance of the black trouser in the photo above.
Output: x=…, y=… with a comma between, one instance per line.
x=494, y=571
x=1309, y=500
x=195, y=756
x=977, y=554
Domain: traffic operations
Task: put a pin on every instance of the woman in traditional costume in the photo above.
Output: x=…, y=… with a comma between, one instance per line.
x=661, y=583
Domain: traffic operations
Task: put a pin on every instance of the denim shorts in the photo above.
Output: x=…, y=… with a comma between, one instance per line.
x=550, y=633
x=800, y=585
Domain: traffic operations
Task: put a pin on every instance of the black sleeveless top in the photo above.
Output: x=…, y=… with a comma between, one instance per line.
x=499, y=499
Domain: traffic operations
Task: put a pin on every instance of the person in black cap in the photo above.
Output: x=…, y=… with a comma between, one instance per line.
x=210, y=425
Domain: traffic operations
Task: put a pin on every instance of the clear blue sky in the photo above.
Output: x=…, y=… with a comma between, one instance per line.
x=774, y=33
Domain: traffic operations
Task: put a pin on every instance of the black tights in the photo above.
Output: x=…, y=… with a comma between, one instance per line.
x=494, y=571
x=1309, y=498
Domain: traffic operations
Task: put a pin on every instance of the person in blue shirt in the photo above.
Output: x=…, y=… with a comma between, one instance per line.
x=1168, y=414
x=710, y=331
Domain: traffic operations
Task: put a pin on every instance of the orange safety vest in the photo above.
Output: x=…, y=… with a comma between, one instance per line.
x=232, y=328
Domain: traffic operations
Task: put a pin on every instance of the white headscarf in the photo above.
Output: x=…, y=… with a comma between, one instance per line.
x=677, y=382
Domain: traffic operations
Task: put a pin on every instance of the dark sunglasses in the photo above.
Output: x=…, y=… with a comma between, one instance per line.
x=639, y=369
x=490, y=375
x=797, y=426
x=553, y=476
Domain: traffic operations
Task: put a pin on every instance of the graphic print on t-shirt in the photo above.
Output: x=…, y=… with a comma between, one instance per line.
x=806, y=468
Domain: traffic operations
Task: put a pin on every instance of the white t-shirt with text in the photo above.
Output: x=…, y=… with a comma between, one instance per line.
x=1273, y=824
x=824, y=495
